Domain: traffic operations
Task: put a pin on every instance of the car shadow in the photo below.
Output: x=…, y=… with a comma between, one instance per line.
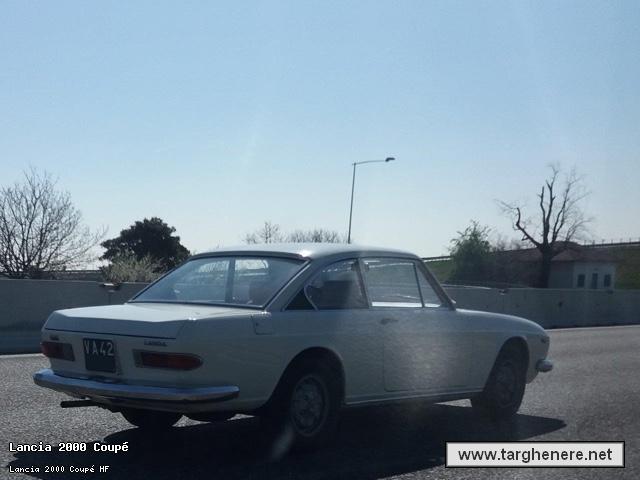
x=371, y=443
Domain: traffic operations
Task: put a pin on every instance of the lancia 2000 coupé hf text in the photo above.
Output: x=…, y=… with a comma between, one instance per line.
x=292, y=333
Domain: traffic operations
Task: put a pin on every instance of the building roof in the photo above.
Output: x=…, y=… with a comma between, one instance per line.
x=306, y=250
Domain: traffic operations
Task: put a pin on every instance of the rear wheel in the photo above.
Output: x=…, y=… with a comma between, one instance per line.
x=150, y=419
x=304, y=411
x=502, y=395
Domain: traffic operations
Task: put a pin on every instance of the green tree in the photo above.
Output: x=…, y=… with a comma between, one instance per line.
x=150, y=238
x=471, y=255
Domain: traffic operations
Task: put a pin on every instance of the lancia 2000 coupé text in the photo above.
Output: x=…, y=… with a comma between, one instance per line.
x=292, y=333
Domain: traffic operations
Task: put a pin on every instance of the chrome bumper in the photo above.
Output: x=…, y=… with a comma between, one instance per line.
x=95, y=389
x=544, y=365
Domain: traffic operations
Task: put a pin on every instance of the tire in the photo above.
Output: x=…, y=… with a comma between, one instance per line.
x=502, y=395
x=304, y=411
x=150, y=420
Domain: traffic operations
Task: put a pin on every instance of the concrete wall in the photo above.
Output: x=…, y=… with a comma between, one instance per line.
x=26, y=304
x=553, y=308
x=561, y=275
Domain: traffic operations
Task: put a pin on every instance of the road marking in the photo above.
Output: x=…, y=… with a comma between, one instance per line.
x=599, y=327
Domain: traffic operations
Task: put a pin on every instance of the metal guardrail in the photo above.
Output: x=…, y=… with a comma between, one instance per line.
x=436, y=259
x=602, y=244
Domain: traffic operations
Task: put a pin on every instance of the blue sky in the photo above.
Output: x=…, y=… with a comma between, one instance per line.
x=216, y=116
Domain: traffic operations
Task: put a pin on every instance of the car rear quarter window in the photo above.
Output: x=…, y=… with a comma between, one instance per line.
x=338, y=287
x=429, y=296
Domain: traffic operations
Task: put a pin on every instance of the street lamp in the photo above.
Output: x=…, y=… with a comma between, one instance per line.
x=353, y=184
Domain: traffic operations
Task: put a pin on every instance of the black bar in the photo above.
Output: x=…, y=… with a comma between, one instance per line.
x=77, y=403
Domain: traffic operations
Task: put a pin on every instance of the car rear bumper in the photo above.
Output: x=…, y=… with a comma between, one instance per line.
x=137, y=396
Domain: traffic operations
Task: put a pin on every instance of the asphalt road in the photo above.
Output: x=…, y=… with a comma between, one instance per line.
x=593, y=394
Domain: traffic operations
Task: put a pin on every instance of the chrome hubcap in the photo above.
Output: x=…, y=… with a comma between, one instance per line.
x=309, y=405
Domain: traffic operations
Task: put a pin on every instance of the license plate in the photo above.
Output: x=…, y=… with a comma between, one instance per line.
x=99, y=355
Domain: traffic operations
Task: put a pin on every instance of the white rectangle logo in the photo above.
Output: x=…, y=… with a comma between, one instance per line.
x=535, y=454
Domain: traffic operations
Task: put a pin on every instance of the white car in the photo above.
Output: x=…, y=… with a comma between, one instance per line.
x=292, y=333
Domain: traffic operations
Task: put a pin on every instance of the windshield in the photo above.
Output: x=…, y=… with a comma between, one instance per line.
x=233, y=280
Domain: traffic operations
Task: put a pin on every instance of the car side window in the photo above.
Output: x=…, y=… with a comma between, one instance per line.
x=429, y=296
x=338, y=286
x=300, y=302
x=392, y=282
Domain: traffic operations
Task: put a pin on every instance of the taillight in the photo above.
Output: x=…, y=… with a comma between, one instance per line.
x=173, y=361
x=59, y=350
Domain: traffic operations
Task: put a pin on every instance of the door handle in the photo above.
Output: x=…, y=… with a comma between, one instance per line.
x=384, y=321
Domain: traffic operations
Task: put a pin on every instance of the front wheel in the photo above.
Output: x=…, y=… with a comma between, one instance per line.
x=502, y=395
x=305, y=409
x=150, y=420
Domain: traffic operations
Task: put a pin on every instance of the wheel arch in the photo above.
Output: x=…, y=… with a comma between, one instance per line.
x=520, y=344
x=316, y=354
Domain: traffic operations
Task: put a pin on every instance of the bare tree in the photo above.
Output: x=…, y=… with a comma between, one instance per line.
x=561, y=219
x=40, y=229
x=271, y=233
x=129, y=268
x=501, y=243
x=268, y=233
x=317, y=235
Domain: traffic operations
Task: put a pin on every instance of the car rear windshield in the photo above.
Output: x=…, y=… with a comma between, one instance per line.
x=237, y=281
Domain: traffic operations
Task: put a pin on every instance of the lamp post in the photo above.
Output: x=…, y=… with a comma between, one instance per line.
x=353, y=184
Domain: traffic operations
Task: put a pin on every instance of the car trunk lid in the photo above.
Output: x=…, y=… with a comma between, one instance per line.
x=150, y=320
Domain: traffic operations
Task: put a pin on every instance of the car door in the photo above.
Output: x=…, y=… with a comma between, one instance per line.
x=425, y=347
x=332, y=310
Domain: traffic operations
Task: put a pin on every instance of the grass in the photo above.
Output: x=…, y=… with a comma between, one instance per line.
x=628, y=269
x=441, y=269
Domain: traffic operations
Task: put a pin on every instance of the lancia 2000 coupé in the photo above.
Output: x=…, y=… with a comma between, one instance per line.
x=292, y=333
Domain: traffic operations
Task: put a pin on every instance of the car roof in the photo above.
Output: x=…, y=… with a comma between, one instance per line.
x=310, y=251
